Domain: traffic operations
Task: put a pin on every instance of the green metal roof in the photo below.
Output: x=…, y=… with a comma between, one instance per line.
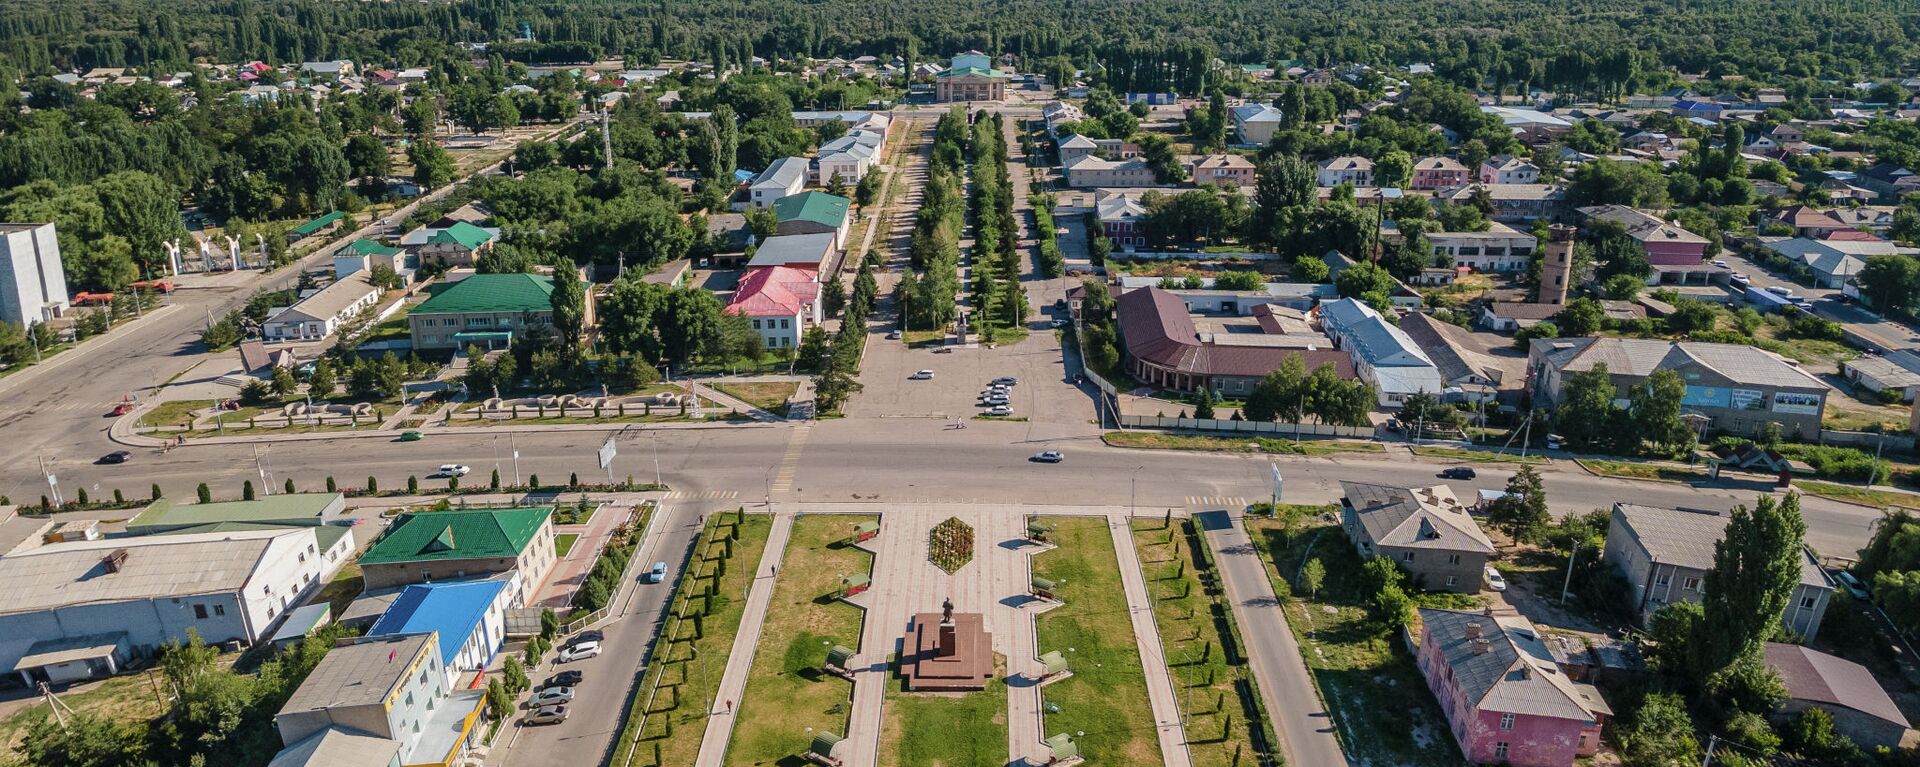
x=839, y=655
x=483, y=293
x=445, y=535
x=318, y=224
x=970, y=71
x=1044, y=584
x=856, y=579
x=465, y=233
x=297, y=509
x=866, y=527
x=1062, y=746
x=818, y=207
x=370, y=248
x=823, y=743
x=1053, y=662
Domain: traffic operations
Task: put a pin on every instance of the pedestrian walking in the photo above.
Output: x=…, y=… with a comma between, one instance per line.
x=729, y=705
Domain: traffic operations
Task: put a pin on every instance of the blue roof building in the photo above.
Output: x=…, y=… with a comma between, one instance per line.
x=469, y=616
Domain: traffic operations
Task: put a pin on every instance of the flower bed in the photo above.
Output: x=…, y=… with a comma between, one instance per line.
x=950, y=545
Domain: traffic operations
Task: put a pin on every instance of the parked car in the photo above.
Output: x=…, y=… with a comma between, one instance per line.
x=1853, y=585
x=1494, y=581
x=924, y=375
x=1720, y=263
x=1048, y=456
x=548, y=696
x=894, y=336
x=581, y=651
x=658, y=573
x=1457, y=472
x=1780, y=290
x=548, y=715
x=590, y=635
x=565, y=679
x=1000, y=410
x=1005, y=381
x=1555, y=441
x=995, y=399
x=117, y=456
x=453, y=470
x=410, y=436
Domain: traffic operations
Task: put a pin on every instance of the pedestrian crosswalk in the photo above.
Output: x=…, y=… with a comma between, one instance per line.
x=1216, y=502
x=703, y=495
x=790, y=463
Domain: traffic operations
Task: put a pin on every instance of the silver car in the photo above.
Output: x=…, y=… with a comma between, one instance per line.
x=548, y=715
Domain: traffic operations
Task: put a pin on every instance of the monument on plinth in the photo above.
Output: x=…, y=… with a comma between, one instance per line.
x=947, y=652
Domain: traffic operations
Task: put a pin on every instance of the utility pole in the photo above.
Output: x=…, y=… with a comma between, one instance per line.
x=656, y=457
x=1871, y=473
x=606, y=137
x=260, y=469
x=512, y=445
x=1713, y=743
x=53, y=483
x=1568, y=581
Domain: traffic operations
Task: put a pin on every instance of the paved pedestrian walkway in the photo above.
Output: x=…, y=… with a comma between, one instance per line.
x=1299, y=717
x=571, y=571
x=733, y=682
x=1161, y=694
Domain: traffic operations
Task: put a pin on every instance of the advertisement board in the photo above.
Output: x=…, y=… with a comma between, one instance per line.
x=1796, y=403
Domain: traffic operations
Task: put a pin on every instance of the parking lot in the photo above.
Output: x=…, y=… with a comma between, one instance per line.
x=1044, y=392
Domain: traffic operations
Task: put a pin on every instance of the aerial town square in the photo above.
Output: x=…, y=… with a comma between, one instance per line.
x=862, y=383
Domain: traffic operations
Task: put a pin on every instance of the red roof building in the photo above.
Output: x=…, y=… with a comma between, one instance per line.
x=780, y=301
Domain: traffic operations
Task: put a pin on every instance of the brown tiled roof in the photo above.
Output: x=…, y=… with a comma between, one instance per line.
x=1525, y=310
x=1157, y=329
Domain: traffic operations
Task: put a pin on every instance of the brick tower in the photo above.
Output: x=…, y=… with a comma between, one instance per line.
x=1557, y=271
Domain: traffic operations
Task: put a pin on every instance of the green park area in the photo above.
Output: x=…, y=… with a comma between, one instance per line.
x=1106, y=697
x=945, y=729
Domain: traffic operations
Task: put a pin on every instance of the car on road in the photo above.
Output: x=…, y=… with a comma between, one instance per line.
x=1494, y=581
x=121, y=409
x=547, y=715
x=551, y=695
x=658, y=573
x=452, y=470
x=590, y=635
x=1853, y=585
x=893, y=336
x=1779, y=290
x=1000, y=410
x=1058, y=323
x=1740, y=279
x=581, y=651
x=924, y=375
x=1457, y=472
x=1720, y=263
x=411, y=436
x=117, y=456
x=565, y=679
x=1005, y=381
x=1048, y=456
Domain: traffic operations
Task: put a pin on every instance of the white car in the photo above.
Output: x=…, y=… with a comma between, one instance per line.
x=1494, y=581
x=454, y=470
x=924, y=375
x=1000, y=410
x=995, y=399
x=1720, y=263
x=551, y=695
x=581, y=651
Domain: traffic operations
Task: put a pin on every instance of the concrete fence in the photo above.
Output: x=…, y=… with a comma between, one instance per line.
x=1866, y=440
x=1258, y=428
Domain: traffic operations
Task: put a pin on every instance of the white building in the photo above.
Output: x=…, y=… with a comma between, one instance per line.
x=1499, y=249
x=786, y=176
x=1091, y=171
x=1352, y=169
x=317, y=316
x=1383, y=354
x=379, y=701
x=1255, y=124
x=33, y=283
x=850, y=156
x=81, y=609
x=1507, y=169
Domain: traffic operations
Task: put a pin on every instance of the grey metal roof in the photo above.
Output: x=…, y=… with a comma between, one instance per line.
x=337, y=746
x=1415, y=517
x=782, y=173
x=1640, y=357
x=1455, y=353
x=360, y=674
x=1514, y=671
x=64, y=574
x=1816, y=676
x=788, y=249
x=1685, y=538
x=1898, y=370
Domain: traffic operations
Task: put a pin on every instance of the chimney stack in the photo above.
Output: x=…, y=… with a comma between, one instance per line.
x=1556, y=272
x=1473, y=630
x=1481, y=646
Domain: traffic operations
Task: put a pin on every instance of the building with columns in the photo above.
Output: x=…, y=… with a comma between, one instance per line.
x=970, y=78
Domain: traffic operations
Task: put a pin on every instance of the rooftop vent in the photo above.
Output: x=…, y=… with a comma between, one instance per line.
x=114, y=561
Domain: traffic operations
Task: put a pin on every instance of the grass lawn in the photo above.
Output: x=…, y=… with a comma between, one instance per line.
x=390, y=329
x=125, y=698
x=1475, y=456
x=1637, y=470
x=343, y=589
x=1008, y=336
x=786, y=690
x=947, y=729
x=563, y=543
x=1196, y=635
x=766, y=395
x=173, y=412
x=1107, y=695
x=671, y=416
x=688, y=663
x=1858, y=494
x=924, y=337
x=1377, y=697
x=1167, y=441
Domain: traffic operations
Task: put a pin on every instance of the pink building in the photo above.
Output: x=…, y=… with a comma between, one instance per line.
x=1437, y=172
x=1663, y=241
x=1505, y=699
x=1229, y=169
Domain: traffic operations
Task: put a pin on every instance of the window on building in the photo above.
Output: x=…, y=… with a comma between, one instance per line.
x=1453, y=559
x=1662, y=579
x=219, y=609
x=1506, y=721
x=200, y=612
x=1451, y=580
x=1807, y=602
x=1690, y=584
x=1500, y=750
x=1406, y=556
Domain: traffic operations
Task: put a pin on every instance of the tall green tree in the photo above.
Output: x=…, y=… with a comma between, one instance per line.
x=1756, y=566
x=569, y=304
x=432, y=164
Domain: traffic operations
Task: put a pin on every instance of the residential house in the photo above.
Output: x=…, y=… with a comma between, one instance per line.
x=1165, y=348
x=1351, y=169
x=1228, y=169
x=971, y=77
x=1438, y=172
x=1426, y=530
x=1076, y=146
x=1897, y=372
x=455, y=245
x=339, y=68
x=801, y=251
x=1891, y=182
x=425, y=547
x=1514, y=203
x=1531, y=126
x=1833, y=261
x=486, y=310
x=784, y=178
x=1507, y=169
x=1383, y=355
x=320, y=313
x=780, y=301
x=1463, y=362
x=379, y=701
x=1093, y=171
x=468, y=617
x=1847, y=691
x=1663, y=242
x=1120, y=217
x=365, y=255
x=86, y=608
x=33, y=280
x=1665, y=554
x=1505, y=698
x=1255, y=124
x=1509, y=316
x=814, y=213
x=1737, y=388
x=1808, y=221
x=1701, y=110
x=1499, y=249
x=849, y=157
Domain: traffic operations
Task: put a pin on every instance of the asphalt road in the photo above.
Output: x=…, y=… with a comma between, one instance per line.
x=1884, y=334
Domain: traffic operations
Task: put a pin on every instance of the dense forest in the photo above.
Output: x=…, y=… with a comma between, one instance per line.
x=1488, y=41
